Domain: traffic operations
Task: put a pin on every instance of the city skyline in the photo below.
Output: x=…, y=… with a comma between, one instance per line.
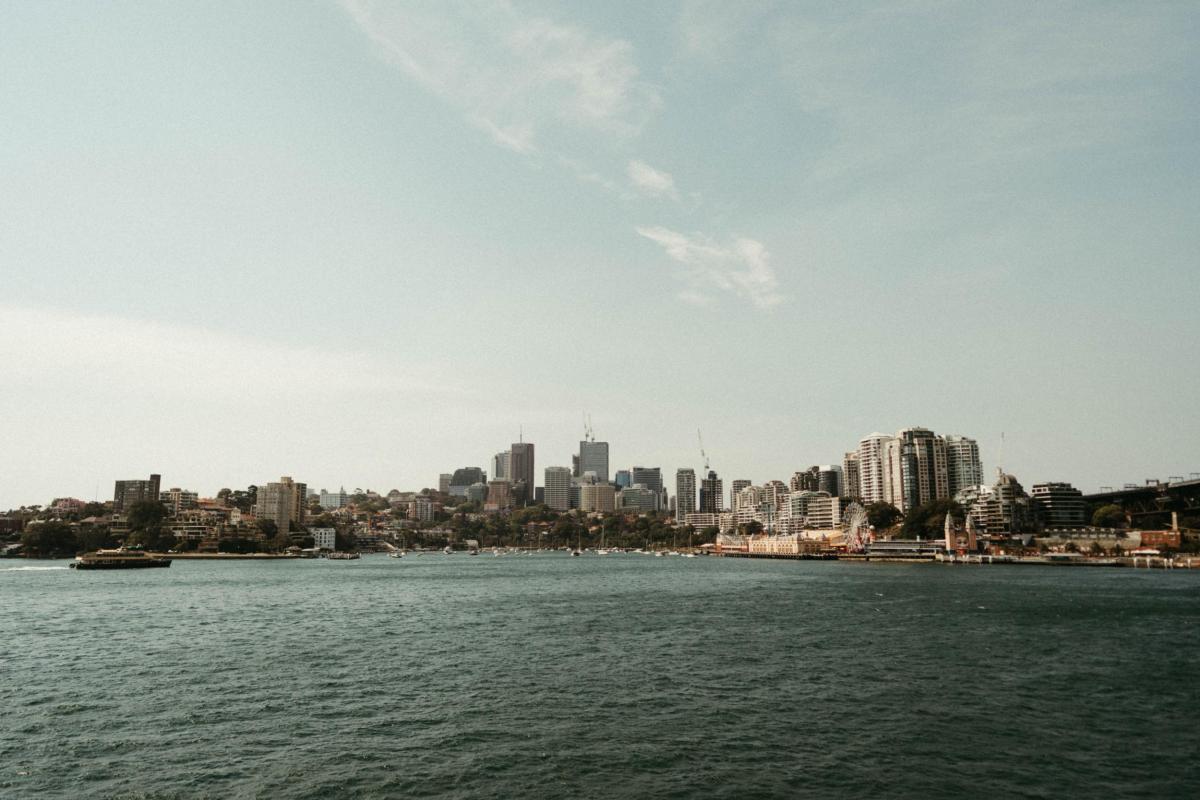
x=364, y=243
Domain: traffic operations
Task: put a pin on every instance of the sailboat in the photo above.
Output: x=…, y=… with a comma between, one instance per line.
x=578, y=541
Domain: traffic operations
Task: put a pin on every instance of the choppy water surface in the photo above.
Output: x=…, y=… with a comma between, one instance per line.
x=619, y=676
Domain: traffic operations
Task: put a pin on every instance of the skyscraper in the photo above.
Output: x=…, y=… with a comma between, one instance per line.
x=915, y=468
x=558, y=488
x=521, y=466
x=685, y=492
x=501, y=466
x=738, y=485
x=712, y=494
x=624, y=479
x=444, y=482
x=870, y=467
x=963, y=466
x=593, y=457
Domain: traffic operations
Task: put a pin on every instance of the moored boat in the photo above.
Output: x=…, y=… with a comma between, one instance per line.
x=119, y=558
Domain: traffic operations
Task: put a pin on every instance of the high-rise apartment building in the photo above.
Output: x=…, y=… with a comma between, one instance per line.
x=850, y=483
x=126, y=493
x=871, y=468
x=712, y=494
x=558, y=488
x=963, y=467
x=282, y=503
x=735, y=492
x=593, y=457
x=176, y=500
x=685, y=492
x=331, y=500
x=521, y=467
x=915, y=469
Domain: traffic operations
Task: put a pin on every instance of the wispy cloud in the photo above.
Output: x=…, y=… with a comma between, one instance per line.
x=515, y=76
x=741, y=268
x=650, y=181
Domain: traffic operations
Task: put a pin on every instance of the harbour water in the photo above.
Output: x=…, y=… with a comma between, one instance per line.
x=620, y=676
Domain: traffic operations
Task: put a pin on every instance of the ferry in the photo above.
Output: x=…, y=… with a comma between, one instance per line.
x=119, y=559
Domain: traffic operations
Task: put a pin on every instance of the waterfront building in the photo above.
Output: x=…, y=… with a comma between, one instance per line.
x=324, y=538
x=444, y=482
x=712, y=494
x=623, y=479
x=558, y=488
x=282, y=503
x=521, y=469
x=331, y=500
x=963, y=467
x=177, y=500
x=593, y=457
x=700, y=520
x=597, y=497
x=464, y=477
x=639, y=497
x=126, y=493
x=1003, y=507
x=1059, y=505
x=824, y=511
x=685, y=492
x=850, y=483
x=870, y=467
x=500, y=465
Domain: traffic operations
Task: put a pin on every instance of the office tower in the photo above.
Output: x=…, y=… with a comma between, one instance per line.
x=129, y=492
x=871, y=467
x=963, y=466
x=521, y=467
x=444, y=482
x=685, y=492
x=593, y=457
x=1060, y=505
x=711, y=494
x=282, y=503
x=652, y=479
x=638, y=498
x=499, y=496
x=501, y=463
x=624, y=479
x=558, y=488
x=850, y=483
x=915, y=469
x=829, y=479
x=464, y=477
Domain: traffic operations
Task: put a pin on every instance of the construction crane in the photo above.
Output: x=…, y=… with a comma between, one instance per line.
x=588, y=434
x=703, y=454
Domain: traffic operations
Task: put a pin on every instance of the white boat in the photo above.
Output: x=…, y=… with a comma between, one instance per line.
x=396, y=554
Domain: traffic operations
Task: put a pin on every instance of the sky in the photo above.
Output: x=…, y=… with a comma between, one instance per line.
x=362, y=244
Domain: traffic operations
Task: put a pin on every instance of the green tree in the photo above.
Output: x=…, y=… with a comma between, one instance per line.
x=882, y=516
x=49, y=538
x=267, y=528
x=929, y=519
x=1109, y=516
x=145, y=519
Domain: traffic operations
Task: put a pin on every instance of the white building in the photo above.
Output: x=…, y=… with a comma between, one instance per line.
x=324, y=538
x=963, y=466
x=871, y=452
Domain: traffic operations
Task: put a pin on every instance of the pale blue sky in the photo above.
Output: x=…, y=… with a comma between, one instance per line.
x=362, y=243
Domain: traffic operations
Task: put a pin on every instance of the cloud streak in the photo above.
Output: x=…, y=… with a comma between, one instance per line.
x=741, y=268
x=649, y=181
x=516, y=77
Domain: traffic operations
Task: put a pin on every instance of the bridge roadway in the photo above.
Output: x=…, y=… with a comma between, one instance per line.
x=1154, y=502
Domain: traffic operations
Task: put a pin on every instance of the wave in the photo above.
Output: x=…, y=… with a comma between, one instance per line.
x=29, y=569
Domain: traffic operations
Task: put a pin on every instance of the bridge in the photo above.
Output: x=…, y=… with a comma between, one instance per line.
x=1150, y=505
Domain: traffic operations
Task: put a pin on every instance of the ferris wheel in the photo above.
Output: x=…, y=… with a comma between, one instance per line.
x=856, y=528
